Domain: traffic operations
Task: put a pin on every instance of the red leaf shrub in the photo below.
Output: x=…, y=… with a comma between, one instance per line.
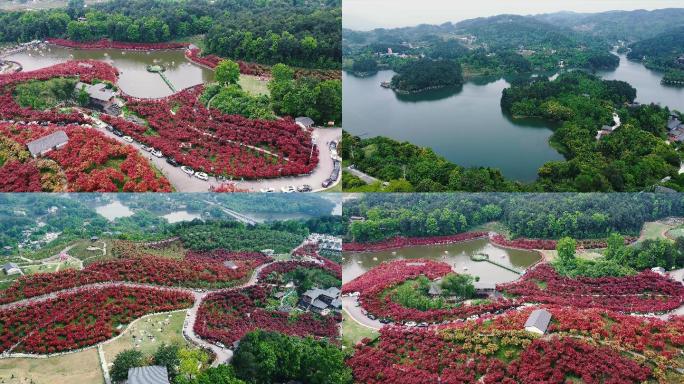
x=401, y=242
x=89, y=160
x=372, y=284
x=86, y=70
x=227, y=316
x=545, y=244
x=644, y=292
x=552, y=361
x=403, y=355
x=196, y=270
x=106, y=43
x=76, y=320
x=19, y=177
x=213, y=142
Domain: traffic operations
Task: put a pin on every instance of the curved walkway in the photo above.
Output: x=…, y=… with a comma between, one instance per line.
x=223, y=354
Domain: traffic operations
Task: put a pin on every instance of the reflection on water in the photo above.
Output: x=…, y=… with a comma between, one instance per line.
x=114, y=210
x=464, y=124
x=647, y=83
x=457, y=255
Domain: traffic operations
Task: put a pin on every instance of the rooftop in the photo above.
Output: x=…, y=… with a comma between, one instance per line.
x=38, y=146
x=539, y=318
x=97, y=91
x=154, y=374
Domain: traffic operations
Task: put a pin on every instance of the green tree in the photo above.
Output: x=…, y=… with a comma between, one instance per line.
x=223, y=374
x=227, y=72
x=129, y=358
x=167, y=356
x=566, y=250
x=460, y=285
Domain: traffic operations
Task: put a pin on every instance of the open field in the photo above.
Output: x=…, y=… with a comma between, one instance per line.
x=353, y=332
x=171, y=333
x=654, y=230
x=253, y=85
x=80, y=367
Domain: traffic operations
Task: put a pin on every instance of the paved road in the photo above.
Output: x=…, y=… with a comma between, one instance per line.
x=181, y=182
x=368, y=179
x=350, y=305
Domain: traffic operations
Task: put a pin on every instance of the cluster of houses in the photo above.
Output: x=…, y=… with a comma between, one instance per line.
x=675, y=128
x=680, y=60
x=321, y=301
x=326, y=242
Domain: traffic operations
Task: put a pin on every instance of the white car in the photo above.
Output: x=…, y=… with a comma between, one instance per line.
x=128, y=139
x=267, y=190
x=157, y=153
x=288, y=189
x=202, y=176
x=188, y=170
x=146, y=148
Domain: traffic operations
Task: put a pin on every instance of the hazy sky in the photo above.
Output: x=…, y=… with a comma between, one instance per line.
x=369, y=14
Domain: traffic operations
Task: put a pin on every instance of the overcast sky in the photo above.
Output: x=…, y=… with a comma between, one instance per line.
x=369, y=14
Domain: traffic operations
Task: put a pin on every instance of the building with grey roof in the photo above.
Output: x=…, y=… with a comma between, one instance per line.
x=100, y=95
x=304, y=122
x=11, y=269
x=230, y=264
x=45, y=144
x=318, y=300
x=154, y=374
x=538, y=321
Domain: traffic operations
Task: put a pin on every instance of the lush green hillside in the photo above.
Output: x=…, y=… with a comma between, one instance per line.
x=619, y=25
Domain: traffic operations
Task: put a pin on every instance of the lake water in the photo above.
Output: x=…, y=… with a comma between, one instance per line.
x=133, y=78
x=458, y=257
x=647, y=83
x=465, y=125
x=175, y=217
x=114, y=210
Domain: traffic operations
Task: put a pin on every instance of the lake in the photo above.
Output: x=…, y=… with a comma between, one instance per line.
x=458, y=257
x=133, y=78
x=647, y=83
x=175, y=217
x=114, y=210
x=465, y=124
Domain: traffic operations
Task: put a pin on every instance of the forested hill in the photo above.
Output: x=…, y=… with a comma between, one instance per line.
x=299, y=33
x=619, y=25
x=660, y=51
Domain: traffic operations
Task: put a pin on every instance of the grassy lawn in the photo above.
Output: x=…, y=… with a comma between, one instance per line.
x=353, y=332
x=675, y=232
x=80, y=367
x=80, y=249
x=253, y=85
x=653, y=230
x=171, y=332
x=493, y=226
x=582, y=254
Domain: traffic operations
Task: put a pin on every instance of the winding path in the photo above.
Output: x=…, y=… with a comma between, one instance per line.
x=223, y=354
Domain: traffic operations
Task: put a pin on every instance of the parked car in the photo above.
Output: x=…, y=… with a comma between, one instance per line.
x=128, y=139
x=172, y=161
x=188, y=170
x=158, y=153
x=267, y=190
x=117, y=132
x=202, y=176
x=146, y=148
x=327, y=182
x=304, y=188
x=288, y=189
